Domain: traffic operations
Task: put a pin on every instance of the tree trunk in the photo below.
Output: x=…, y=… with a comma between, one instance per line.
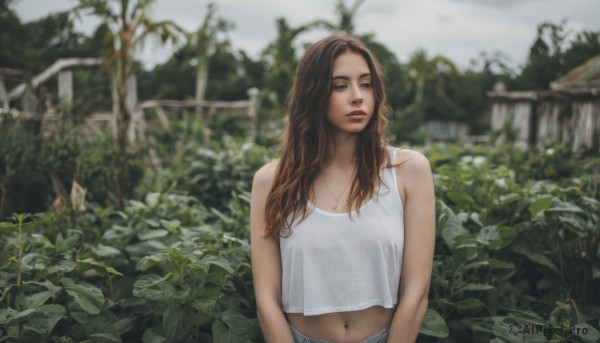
x=201, y=81
x=123, y=118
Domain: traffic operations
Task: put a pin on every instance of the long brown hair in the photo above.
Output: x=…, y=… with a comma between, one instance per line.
x=307, y=137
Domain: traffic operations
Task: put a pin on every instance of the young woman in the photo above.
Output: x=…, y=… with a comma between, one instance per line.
x=342, y=225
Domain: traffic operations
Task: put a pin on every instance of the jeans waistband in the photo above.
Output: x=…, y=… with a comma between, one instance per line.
x=380, y=337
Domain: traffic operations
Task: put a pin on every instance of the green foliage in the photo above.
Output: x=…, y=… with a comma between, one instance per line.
x=36, y=168
x=510, y=246
x=212, y=171
x=515, y=250
x=165, y=269
x=552, y=55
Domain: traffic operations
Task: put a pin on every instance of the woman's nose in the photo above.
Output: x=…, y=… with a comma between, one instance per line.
x=357, y=96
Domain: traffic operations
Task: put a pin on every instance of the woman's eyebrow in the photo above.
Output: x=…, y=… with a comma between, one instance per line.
x=362, y=76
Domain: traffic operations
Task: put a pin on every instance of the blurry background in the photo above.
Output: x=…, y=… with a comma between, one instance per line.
x=130, y=131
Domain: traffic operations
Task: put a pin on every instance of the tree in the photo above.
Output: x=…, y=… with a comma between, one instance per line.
x=281, y=56
x=585, y=46
x=423, y=71
x=345, y=16
x=545, y=62
x=552, y=55
x=129, y=28
x=205, y=43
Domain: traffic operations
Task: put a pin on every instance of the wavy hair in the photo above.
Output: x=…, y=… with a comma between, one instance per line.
x=305, y=141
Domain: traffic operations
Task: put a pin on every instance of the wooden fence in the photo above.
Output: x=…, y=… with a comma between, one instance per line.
x=27, y=101
x=568, y=116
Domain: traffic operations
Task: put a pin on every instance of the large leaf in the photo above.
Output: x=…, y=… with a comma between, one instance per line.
x=99, y=266
x=223, y=333
x=559, y=206
x=178, y=322
x=36, y=300
x=434, y=325
x=595, y=272
x=490, y=236
x=152, y=234
x=588, y=333
x=45, y=319
x=152, y=199
x=150, y=261
x=8, y=314
x=460, y=198
x=171, y=225
x=476, y=287
x=106, y=251
x=219, y=261
x=525, y=316
x=100, y=329
x=510, y=333
x=449, y=225
x=490, y=263
x=469, y=304
x=87, y=296
x=157, y=288
x=574, y=223
x=539, y=205
x=536, y=257
x=118, y=233
x=64, y=244
x=145, y=248
x=206, y=299
x=236, y=322
x=153, y=336
x=497, y=264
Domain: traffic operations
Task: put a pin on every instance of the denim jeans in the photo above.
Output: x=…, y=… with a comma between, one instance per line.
x=380, y=337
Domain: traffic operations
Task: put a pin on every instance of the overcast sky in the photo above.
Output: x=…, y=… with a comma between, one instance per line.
x=457, y=29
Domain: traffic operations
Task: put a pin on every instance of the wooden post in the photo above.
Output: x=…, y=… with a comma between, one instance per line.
x=162, y=117
x=29, y=102
x=65, y=89
x=137, y=125
x=3, y=95
x=252, y=112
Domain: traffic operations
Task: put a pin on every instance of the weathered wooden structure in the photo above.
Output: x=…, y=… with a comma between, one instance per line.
x=29, y=100
x=568, y=113
x=24, y=100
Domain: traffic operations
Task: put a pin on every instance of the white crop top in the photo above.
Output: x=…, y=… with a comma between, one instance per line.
x=334, y=263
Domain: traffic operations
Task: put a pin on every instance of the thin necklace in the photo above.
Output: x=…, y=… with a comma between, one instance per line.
x=337, y=198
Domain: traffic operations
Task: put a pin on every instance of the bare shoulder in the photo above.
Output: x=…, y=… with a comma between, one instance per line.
x=412, y=161
x=265, y=175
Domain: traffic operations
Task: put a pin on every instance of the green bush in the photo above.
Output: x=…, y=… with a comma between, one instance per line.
x=517, y=250
x=514, y=252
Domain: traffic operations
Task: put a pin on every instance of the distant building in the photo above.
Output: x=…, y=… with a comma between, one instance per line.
x=568, y=113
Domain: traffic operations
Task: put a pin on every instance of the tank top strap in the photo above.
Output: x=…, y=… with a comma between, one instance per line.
x=392, y=151
x=389, y=173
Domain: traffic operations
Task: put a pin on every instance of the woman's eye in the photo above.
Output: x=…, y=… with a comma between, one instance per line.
x=366, y=85
x=339, y=87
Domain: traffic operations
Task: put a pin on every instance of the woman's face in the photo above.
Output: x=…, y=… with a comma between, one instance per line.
x=352, y=101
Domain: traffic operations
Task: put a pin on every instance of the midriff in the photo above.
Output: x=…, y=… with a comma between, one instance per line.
x=343, y=327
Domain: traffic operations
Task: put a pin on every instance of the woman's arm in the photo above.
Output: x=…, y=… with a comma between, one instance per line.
x=266, y=263
x=419, y=241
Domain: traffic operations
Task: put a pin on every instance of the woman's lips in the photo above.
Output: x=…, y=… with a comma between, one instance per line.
x=358, y=114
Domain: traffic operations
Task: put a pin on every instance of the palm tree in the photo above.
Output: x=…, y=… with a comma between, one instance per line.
x=281, y=55
x=421, y=71
x=129, y=28
x=205, y=44
x=346, y=15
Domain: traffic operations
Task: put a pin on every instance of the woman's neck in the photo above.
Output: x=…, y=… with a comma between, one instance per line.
x=342, y=153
